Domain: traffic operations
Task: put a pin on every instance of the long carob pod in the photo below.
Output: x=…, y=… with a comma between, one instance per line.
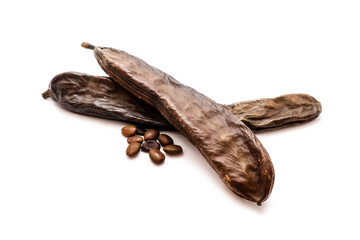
x=274, y=113
x=104, y=98
x=227, y=144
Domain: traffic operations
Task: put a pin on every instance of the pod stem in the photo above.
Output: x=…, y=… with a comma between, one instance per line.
x=46, y=94
x=87, y=45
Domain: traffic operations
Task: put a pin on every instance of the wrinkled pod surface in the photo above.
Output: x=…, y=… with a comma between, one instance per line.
x=104, y=98
x=227, y=144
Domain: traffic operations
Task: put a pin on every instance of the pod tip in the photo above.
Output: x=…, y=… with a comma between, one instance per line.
x=87, y=45
x=46, y=94
x=319, y=107
x=258, y=203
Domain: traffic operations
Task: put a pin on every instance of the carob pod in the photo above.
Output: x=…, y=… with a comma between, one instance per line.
x=274, y=113
x=104, y=98
x=101, y=97
x=230, y=147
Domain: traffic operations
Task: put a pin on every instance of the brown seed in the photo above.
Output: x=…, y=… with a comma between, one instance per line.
x=133, y=148
x=128, y=131
x=135, y=138
x=150, y=144
x=173, y=149
x=151, y=134
x=140, y=131
x=157, y=156
x=165, y=139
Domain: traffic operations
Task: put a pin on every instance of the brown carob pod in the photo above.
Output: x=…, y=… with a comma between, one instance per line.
x=273, y=113
x=226, y=143
x=102, y=97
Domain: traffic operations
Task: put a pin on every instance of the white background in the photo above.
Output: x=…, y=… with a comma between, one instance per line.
x=65, y=176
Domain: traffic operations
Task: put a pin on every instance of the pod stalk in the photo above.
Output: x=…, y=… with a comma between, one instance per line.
x=87, y=45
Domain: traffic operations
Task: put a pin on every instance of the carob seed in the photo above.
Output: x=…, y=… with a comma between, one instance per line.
x=173, y=149
x=140, y=131
x=165, y=139
x=151, y=134
x=129, y=131
x=157, y=156
x=133, y=148
x=150, y=144
x=135, y=138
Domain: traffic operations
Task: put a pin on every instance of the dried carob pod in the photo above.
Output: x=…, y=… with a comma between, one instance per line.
x=104, y=98
x=227, y=144
x=273, y=113
x=100, y=97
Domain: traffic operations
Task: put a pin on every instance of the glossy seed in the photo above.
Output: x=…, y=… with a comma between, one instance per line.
x=173, y=149
x=133, y=148
x=128, y=131
x=151, y=134
x=135, y=138
x=150, y=144
x=157, y=156
x=140, y=131
x=165, y=140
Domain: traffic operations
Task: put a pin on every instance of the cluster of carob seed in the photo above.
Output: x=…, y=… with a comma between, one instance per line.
x=153, y=140
x=143, y=95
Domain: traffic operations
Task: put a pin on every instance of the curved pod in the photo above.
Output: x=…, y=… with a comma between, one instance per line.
x=102, y=97
x=229, y=146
